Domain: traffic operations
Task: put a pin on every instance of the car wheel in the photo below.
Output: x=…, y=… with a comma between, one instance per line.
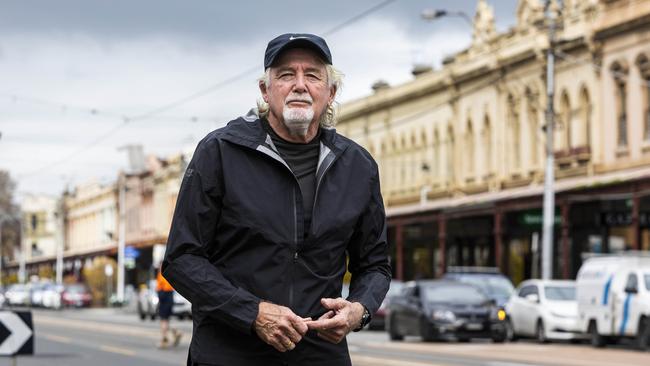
x=142, y=315
x=511, y=336
x=463, y=340
x=392, y=332
x=597, y=340
x=540, y=332
x=643, y=335
x=426, y=332
x=500, y=336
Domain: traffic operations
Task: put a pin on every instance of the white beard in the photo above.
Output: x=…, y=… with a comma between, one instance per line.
x=297, y=120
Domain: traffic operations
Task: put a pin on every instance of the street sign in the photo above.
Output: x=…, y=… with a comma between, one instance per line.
x=16, y=333
x=131, y=252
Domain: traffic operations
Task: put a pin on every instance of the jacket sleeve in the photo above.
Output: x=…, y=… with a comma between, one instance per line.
x=368, y=253
x=191, y=240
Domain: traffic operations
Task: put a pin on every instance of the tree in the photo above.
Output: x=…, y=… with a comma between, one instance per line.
x=8, y=209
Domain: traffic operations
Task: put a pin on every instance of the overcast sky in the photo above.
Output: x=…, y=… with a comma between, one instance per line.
x=71, y=71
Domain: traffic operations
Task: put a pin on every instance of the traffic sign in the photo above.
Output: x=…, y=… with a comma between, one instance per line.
x=16, y=333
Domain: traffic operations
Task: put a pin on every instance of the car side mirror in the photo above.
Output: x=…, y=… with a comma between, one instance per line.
x=532, y=298
x=631, y=290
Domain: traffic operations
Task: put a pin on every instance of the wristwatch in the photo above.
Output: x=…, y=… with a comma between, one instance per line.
x=365, y=319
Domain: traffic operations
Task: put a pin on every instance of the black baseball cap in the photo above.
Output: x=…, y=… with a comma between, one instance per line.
x=293, y=40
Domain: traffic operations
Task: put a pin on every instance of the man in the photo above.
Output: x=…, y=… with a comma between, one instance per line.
x=271, y=210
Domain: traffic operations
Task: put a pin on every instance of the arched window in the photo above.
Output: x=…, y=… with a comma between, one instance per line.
x=583, y=132
x=643, y=64
x=533, y=122
x=619, y=74
x=515, y=133
x=437, y=156
x=469, y=149
x=564, y=133
x=487, y=145
x=450, y=154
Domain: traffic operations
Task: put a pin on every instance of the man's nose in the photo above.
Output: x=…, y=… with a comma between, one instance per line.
x=300, y=86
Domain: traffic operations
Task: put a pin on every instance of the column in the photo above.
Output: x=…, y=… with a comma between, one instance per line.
x=399, y=251
x=564, y=240
x=498, y=239
x=442, y=236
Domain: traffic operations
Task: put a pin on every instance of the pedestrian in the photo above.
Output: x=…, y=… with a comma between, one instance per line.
x=272, y=210
x=165, y=293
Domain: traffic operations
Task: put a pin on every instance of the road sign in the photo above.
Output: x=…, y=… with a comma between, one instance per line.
x=16, y=333
x=131, y=252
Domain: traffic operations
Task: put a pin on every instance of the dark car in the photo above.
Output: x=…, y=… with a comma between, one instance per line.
x=445, y=310
x=378, y=320
x=488, y=279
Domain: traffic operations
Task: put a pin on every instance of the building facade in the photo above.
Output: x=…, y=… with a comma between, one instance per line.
x=461, y=150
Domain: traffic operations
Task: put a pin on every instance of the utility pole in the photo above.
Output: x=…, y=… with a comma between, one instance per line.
x=60, y=241
x=549, y=176
x=21, y=252
x=122, y=239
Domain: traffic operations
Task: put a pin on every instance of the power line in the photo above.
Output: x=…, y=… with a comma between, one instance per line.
x=156, y=111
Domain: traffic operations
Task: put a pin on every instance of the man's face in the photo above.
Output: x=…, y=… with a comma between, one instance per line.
x=298, y=94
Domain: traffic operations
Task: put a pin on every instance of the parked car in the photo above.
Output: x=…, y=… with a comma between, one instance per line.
x=17, y=295
x=488, y=279
x=36, y=293
x=613, y=294
x=52, y=296
x=545, y=310
x=378, y=320
x=76, y=295
x=444, y=310
x=2, y=297
x=148, y=303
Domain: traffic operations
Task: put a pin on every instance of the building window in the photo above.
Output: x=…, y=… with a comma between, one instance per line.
x=619, y=72
x=487, y=145
x=515, y=134
x=469, y=148
x=533, y=125
x=34, y=222
x=643, y=64
x=585, y=118
x=450, y=154
x=565, y=115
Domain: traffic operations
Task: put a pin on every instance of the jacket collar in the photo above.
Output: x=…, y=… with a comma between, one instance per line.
x=248, y=131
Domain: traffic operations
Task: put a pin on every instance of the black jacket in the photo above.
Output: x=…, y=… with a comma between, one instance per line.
x=237, y=238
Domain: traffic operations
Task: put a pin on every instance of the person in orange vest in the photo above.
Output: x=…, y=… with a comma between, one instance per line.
x=165, y=304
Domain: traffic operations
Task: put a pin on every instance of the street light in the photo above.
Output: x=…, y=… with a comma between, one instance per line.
x=433, y=14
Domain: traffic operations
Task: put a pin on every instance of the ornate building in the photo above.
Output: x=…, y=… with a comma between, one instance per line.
x=461, y=149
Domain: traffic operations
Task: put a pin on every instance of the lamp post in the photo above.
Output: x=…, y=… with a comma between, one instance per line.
x=431, y=14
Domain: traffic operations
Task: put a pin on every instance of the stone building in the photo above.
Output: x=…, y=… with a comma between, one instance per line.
x=461, y=149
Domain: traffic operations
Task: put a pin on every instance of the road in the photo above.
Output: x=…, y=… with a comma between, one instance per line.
x=108, y=337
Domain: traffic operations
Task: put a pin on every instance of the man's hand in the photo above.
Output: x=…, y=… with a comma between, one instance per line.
x=343, y=316
x=279, y=326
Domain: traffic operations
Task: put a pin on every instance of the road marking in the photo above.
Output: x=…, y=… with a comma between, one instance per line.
x=55, y=338
x=122, y=351
x=383, y=361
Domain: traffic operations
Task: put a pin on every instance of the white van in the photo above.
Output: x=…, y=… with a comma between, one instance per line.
x=613, y=293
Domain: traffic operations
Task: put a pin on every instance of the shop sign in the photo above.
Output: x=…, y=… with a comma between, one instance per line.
x=536, y=218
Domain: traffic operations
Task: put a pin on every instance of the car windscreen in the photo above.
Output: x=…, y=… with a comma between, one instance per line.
x=647, y=281
x=560, y=293
x=453, y=294
x=491, y=285
x=76, y=289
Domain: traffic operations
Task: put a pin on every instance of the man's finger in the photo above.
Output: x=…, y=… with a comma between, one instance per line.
x=299, y=325
x=325, y=324
x=329, y=337
x=333, y=304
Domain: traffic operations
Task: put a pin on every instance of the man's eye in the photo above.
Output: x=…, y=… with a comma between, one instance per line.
x=285, y=75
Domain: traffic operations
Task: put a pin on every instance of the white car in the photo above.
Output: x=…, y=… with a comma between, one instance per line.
x=544, y=309
x=17, y=294
x=51, y=297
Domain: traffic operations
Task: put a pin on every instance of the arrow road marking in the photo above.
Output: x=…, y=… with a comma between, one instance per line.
x=20, y=333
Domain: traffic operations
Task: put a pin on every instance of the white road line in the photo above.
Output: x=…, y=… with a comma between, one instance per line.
x=54, y=338
x=122, y=351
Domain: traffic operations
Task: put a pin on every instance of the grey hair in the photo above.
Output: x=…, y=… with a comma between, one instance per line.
x=328, y=119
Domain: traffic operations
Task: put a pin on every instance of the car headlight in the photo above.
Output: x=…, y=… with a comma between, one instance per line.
x=444, y=315
x=499, y=314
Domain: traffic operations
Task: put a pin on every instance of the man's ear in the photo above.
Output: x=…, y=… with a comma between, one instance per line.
x=264, y=90
x=332, y=94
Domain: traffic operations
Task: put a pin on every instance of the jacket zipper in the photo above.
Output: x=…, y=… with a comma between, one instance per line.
x=295, y=253
x=313, y=208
